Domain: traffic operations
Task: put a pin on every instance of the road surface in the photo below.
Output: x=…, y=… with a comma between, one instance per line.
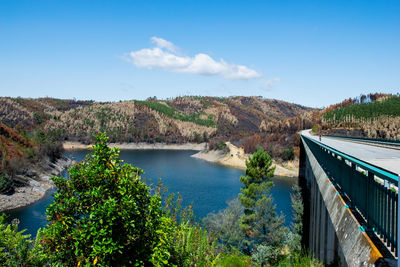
x=386, y=158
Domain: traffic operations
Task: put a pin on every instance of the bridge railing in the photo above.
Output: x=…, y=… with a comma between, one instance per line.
x=369, y=189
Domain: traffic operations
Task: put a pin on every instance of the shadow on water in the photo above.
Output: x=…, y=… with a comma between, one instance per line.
x=208, y=186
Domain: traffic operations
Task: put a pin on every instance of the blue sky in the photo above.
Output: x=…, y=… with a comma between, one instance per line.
x=313, y=53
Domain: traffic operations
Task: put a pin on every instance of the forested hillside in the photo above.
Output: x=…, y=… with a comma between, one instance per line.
x=373, y=115
x=32, y=130
x=245, y=121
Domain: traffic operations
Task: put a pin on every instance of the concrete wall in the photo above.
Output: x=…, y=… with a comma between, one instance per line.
x=334, y=235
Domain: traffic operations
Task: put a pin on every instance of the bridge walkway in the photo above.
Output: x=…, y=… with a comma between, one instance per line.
x=385, y=158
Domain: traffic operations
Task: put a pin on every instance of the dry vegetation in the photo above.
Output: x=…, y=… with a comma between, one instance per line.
x=374, y=116
x=250, y=122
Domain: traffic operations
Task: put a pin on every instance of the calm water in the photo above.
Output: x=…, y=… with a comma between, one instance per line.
x=208, y=186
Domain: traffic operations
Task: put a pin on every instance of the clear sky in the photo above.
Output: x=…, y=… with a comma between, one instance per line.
x=313, y=53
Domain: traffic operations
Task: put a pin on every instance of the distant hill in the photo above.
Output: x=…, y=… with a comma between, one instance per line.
x=373, y=115
x=247, y=121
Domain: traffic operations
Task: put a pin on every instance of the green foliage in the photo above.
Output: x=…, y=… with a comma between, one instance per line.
x=266, y=254
x=387, y=107
x=159, y=139
x=288, y=154
x=48, y=143
x=194, y=246
x=16, y=249
x=295, y=235
x=233, y=259
x=176, y=114
x=39, y=118
x=226, y=224
x=104, y=213
x=6, y=184
x=197, y=137
x=315, y=128
x=260, y=222
x=299, y=259
x=220, y=145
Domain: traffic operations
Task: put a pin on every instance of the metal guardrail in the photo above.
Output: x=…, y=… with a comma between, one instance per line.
x=367, y=187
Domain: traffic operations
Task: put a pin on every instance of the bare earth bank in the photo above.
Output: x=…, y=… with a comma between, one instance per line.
x=141, y=146
x=36, y=187
x=236, y=158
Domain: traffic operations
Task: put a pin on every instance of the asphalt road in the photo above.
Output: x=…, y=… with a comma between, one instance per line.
x=386, y=158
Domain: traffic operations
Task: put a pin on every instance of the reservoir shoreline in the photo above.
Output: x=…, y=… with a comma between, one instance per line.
x=233, y=157
x=34, y=189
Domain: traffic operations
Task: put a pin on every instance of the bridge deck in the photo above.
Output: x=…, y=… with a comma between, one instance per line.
x=386, y=158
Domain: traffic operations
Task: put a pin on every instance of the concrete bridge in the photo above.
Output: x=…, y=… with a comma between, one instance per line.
x=350, y=195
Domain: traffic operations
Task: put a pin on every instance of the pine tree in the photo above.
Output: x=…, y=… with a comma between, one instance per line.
x=260, y=222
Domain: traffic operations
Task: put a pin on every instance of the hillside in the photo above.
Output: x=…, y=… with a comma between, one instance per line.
x=373, y=115
x=245, y=121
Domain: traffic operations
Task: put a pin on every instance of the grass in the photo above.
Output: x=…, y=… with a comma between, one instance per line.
x=179, y=115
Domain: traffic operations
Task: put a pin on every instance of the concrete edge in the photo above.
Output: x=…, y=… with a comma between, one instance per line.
x=343, y=218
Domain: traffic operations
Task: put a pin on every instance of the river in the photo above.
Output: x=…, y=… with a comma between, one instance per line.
x=205, y=185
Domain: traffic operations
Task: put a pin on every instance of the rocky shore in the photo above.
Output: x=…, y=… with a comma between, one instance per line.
x=35, y=186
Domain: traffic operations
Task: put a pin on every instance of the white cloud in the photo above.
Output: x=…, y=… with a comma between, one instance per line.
x=164, y=57
x=162, y=43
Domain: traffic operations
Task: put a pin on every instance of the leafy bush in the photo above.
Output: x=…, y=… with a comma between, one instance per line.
x=233, y=259
x=104, y=213
x=194, y=246
x=220, y=145
x=226, y=224
x=16, y=249
x=266, y=254
x=288, y=154
x=6, y=184
x=299, y=259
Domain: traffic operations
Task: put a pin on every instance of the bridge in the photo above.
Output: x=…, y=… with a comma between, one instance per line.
x=350, y=193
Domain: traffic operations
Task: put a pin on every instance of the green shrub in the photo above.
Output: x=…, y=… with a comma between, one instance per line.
x=6, y=184
x=233, y=259
x=288, y=154
x=299, y=259
x=220, y=145
x=315, y=128
x=105, y=214
x=226, y=224
x=16, y=249
x=194, y=246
